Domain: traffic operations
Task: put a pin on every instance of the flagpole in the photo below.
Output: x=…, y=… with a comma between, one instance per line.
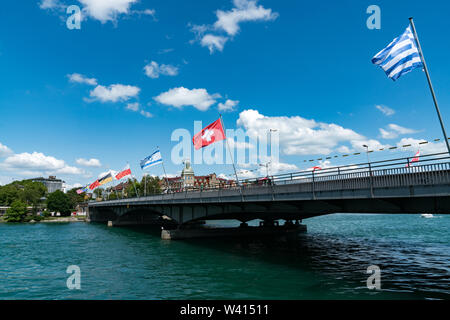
x=165, y=174
x=134, y=184
x=145, y=184
x=229, y=151
x=429, y=83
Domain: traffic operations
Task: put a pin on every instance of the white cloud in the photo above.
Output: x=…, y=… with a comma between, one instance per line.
x=228, y=105
x=133, y=106
x=4, y=151
x=401, y=130
x=106, y=10
x=37, y=163
x=136, y=108
x=180, y=97
x=79, y=78
x=213, y=42
x=228, y=22
x=244, y=10
x=114, y=93
x=428, y=148
x=146, y=114
x=395, y=131
x=154, y=70
x=386, y=110
x=89, y=163
x=299, y=136
x=49, y=4
x=239, y=145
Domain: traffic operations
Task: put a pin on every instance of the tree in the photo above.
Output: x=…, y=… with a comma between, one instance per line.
x=60, y=202
x=17, y=212
x=152, y=185
x=98, y=192
x=130, y=189
x=75, y=198
x=27, y=191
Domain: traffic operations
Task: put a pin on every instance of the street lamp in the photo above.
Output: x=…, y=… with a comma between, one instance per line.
x=267, y=167
x=367, y=152
x=270, y=143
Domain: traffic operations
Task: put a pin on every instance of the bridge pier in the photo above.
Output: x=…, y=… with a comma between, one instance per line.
x=243, y=231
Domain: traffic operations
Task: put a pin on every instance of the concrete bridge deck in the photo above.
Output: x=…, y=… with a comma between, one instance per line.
x=380, y=187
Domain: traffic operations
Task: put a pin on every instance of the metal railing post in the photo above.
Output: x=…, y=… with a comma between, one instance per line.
x=371, y=180
x=313, y=187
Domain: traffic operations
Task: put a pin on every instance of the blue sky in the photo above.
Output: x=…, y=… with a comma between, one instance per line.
x=302, y=67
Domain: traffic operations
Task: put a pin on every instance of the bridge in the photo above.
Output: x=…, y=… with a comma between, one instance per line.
x=390, y=186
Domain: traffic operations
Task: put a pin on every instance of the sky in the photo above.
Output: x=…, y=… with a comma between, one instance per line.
x=77, y=103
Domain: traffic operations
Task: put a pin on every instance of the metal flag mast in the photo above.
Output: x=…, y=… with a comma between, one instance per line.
x=429, y=82
x=164, y=169
x=229, y=151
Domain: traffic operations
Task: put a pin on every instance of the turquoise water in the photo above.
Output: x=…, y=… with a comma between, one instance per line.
x=328, y=262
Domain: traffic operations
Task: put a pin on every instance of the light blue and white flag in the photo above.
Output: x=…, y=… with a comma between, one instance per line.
x=151, y=160
x=400, y=56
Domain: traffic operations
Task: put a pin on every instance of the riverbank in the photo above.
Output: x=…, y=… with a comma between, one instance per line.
x=52, y=220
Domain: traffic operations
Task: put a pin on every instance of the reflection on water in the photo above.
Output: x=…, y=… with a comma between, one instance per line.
x=327, y=262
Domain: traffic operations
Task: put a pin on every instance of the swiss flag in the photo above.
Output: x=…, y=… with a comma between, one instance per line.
x=212, y=133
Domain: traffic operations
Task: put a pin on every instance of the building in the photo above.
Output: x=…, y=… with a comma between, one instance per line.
x=188, y=180
x=51, y=183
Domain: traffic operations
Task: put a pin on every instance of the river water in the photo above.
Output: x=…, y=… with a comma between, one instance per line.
x=330, y=261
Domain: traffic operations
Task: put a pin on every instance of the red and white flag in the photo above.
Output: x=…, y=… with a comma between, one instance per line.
x=124, y=173
x=212, y=133
x=415, y=159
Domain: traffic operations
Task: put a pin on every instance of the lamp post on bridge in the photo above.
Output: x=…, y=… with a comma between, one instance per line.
x=367, y=152
x=270, y=148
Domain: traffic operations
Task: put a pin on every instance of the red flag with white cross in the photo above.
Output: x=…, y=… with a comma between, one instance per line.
x=212, y=133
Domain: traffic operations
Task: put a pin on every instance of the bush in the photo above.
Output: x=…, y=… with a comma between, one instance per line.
x=17, y=212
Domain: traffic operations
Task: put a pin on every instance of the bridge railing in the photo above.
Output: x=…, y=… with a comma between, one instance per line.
x=430, y=169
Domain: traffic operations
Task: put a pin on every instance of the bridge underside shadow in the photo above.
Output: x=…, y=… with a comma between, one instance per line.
x=182, y=214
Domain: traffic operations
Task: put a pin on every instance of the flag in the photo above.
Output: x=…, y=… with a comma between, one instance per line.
x=124, y=173
x=105, y=179
x=212, y=133
x=85, y=189
x=415, y=159
x=400, y=56
x=152, y=160
x=316, y=168
x=94, y=185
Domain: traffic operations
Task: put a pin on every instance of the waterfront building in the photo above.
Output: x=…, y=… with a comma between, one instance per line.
x=51, y=183
x=188, y=180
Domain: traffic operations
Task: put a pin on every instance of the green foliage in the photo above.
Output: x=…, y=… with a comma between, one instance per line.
x=17, y=212
x=99, y=192
x=26, y=191
x=58, y=201
x=46, y=213
x=152, y=185
x=112, y=196
x=75, y=198
x=130, y=189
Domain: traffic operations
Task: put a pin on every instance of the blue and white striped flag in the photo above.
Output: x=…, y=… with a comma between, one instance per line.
x=151, y=160
x=400, y=56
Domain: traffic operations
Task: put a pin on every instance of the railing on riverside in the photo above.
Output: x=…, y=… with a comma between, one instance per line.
x=430, y=169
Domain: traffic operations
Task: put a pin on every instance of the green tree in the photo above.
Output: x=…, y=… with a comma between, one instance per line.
x=152, y=185
x=17, y=212
x=75, y=198
x=99, y=192
x=27, y=191
x=60, y=202
x=130, y=189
